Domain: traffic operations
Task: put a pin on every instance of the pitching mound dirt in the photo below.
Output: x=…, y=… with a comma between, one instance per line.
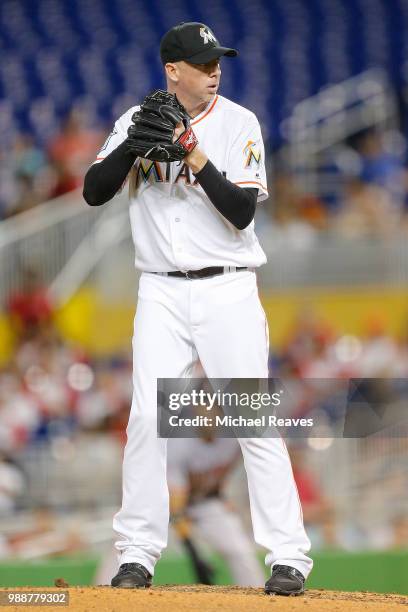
x=207, y=599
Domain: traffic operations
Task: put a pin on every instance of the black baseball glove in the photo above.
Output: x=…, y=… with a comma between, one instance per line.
x=152, y=132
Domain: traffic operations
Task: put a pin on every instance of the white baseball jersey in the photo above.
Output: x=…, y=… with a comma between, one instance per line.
x=174, y=224
x=199, y=465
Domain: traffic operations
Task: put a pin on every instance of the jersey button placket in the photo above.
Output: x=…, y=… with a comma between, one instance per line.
x=177, y=236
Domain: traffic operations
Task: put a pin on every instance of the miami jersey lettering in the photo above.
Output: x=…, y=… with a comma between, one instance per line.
x=169, y=207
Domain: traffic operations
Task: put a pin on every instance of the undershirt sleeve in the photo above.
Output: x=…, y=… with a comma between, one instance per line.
x=235, y=203
x=104, y=179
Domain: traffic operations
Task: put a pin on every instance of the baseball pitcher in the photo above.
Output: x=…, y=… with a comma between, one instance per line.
x=195, y=165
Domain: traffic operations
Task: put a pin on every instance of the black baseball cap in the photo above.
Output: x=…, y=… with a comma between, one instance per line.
x=192, y=42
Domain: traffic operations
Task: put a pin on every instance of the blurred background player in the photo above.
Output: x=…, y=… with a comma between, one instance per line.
x=203, y=518
x=197, y=472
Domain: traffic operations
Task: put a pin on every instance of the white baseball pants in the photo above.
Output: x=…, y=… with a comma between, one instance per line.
x=221, y=322
x=221, y=529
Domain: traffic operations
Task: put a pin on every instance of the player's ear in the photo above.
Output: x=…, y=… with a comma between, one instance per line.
x=172, y=71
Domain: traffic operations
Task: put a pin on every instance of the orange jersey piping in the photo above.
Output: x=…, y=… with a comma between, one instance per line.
x=252, y=183
x=205, y=114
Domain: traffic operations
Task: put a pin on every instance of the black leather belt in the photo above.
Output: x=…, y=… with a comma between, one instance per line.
x=204, y=272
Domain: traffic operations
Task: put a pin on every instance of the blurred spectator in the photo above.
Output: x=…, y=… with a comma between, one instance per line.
x=26, y=176
x=106, y=404
x=45, y=537
x=28, y=159
x=391, y=535
x=367, y=210
x=30, y=175
x=30, y=307
x=8, y=184
x=19, y=413
x=5, y=549
x=400, y=531
x=50, y=388
x=12, y=483
x=318, y=511
x=297, y=217
x=72, y=151
x=28, y=196
x=307, y=349
x=374, y=196
x=381, y=165
x=380, y=356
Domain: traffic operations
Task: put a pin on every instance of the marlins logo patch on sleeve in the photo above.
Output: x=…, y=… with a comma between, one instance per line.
x=252, y=154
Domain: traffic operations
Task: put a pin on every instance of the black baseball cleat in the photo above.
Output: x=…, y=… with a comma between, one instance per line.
x=285, y=580
x=132, y=576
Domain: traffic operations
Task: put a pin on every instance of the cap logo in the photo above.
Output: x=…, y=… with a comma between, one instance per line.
x=207, y=35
